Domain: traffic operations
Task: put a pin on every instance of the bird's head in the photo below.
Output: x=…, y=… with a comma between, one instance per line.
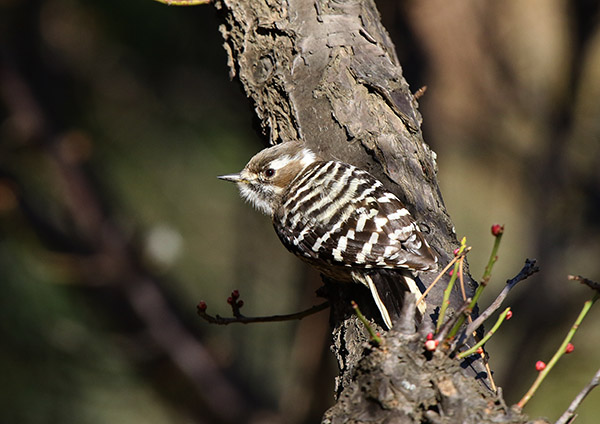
x=266, y=176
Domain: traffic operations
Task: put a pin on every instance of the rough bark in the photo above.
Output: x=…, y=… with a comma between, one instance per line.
x=387, y=389
x=326, y=73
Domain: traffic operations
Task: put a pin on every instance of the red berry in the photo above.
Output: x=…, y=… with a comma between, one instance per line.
x=202, y=305
x=508, y=315
x=497, y=229
x=240, y=303
x=429, y=336
x=235, y=294
x=230, y=300
x=570, y=348
x=540, y=365
x=480, y=350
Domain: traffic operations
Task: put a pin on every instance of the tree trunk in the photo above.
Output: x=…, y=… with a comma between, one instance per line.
x=326, y=73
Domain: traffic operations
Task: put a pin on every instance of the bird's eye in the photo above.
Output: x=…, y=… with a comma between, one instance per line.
x=269, y=172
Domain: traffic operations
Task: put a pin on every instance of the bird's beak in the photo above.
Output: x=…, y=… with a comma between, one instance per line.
x=234, y=178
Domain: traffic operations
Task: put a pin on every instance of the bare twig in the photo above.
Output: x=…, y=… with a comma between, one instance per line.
x=234, y=301
x=461, y=312
x=569, y=414
x=461, y=277
x=183, y=2
x=528, y=269
x=591, y=284
x=446, y=298
x=484, y=339
x=497, y=231
x=419, y=93
x=449, y=287
x=241, y=319
x=441, y=274
x=560, y=352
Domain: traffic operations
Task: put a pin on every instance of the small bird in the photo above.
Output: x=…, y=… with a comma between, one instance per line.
x=339, y=219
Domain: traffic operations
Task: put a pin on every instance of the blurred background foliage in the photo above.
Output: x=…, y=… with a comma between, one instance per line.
x=115, y=118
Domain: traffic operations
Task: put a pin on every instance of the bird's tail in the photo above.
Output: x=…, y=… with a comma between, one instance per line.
x=388, y=290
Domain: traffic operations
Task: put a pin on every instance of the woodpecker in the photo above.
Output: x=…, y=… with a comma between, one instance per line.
x=339, y=219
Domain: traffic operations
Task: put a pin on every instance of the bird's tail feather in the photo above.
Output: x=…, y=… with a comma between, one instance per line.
x=388, y=290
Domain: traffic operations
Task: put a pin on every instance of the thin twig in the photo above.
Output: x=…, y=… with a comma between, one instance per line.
x=450, y=286
x=219, y=320
x=419, y=93
x=560, y=352
x=446, y=298
x=183, y=2
x=569, y=414
x=490, y=375
x=461, y=277
x=485, y=338
x=591, y=284
x=461, y=312
x=497, y=232
x=528, y=269
x=440, y=275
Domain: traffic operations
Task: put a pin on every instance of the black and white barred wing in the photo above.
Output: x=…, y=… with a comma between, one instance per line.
x=381, y=234
x=350, y=219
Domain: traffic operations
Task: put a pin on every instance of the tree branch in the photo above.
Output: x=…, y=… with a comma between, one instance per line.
x=569, y=415
x=241, y=319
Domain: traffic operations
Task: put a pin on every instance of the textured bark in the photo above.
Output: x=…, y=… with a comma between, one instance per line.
x=325, y=73
x=387, y=389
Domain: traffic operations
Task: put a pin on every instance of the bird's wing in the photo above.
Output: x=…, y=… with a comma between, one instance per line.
x=371, y=229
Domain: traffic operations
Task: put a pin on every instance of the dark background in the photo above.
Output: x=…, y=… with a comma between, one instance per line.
x=115, y=118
